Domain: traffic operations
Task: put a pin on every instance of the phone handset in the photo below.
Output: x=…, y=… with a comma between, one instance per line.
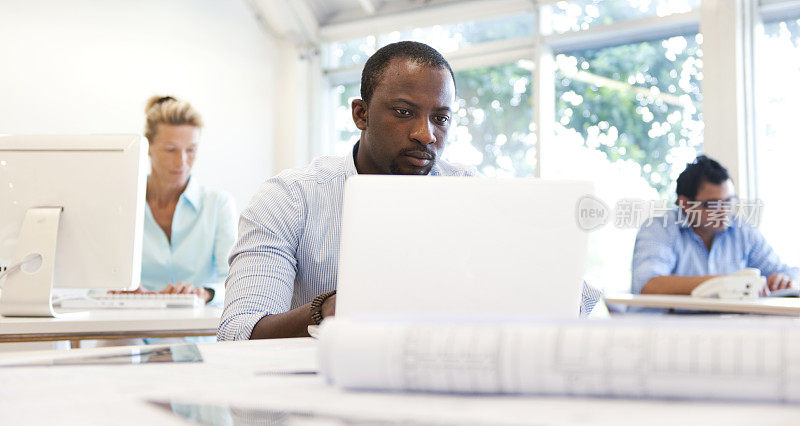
x=744, y=284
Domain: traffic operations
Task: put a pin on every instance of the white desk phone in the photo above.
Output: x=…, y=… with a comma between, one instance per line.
x=744, y=284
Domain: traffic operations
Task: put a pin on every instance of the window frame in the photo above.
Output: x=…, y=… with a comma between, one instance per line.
x=766, y=11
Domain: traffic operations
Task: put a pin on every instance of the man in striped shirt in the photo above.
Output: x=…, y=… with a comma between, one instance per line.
x=284, y=265
x=288, y=244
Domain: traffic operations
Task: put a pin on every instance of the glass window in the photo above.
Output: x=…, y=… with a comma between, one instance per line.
x=448, y=38
x=348, y=53
x=566, y=16
x=777, y=148
x=346, y=131
x=444, y=38
x=628, y=118
x=493, y=129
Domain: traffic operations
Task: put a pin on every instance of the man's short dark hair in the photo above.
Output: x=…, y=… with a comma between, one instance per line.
x=420, y=53
x=702, y=169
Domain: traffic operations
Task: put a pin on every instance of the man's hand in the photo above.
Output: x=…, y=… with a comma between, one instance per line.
x=187, y=288
x=779, y=281
x=328, y=308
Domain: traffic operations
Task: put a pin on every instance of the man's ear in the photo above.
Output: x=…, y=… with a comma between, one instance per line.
x=359, y=110
x=683, y=202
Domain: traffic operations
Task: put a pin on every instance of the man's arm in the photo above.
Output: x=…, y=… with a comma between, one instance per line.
x=263, y=266
x=763, y=257
x=293, y=323
x=673, y=284
x=654, y=260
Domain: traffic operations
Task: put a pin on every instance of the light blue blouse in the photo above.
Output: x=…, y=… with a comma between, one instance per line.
x=203, y=232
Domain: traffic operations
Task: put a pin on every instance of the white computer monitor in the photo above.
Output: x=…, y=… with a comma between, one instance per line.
x=71, y=213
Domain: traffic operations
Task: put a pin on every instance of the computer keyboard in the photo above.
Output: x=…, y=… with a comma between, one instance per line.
x=133, y=301
x=786, y=292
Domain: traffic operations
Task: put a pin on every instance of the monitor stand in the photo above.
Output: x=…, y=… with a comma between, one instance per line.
x=27, y=291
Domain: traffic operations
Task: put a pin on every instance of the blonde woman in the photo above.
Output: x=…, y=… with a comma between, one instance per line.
x=189, y=229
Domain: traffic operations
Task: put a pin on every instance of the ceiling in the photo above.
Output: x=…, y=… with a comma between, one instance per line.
x=300, y=21
x=333, y=11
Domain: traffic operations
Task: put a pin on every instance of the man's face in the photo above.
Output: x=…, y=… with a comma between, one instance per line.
x=712, y=207
x=405, y=125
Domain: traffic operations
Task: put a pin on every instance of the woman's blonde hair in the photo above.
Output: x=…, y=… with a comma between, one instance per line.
x=168, y=110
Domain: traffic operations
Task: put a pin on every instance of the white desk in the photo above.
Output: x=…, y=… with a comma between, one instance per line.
x=113, y=324
x=762, y=305
x=256, y=375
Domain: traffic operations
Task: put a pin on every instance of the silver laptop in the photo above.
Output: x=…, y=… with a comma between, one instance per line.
x=460, y=248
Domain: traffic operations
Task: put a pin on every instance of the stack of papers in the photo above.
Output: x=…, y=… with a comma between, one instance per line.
x=709, y=358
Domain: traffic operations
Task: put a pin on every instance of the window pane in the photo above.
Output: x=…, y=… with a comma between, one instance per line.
x=448, y=38
x=777, y=147
x=628, y=118
x=346, y=131
x=492, y=125
x=637, y=103
x=349, y=52
x=566, y=16
x=445, y=38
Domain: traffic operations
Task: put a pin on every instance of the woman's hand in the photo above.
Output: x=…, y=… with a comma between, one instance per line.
x=187, y=288
x=140, y=290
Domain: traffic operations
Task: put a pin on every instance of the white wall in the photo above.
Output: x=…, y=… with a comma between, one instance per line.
x=84, y=66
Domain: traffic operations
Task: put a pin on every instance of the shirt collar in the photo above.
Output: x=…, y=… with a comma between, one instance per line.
x=192, y=194
x=350, y=165
x=684, y=224
x=680, y=219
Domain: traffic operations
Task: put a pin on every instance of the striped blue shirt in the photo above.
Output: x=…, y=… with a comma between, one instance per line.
x=669, y=246
x=288, y=246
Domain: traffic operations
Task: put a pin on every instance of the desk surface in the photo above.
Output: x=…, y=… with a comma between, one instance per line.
x=762, y=305
x=273, y=375
x=114, y=323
